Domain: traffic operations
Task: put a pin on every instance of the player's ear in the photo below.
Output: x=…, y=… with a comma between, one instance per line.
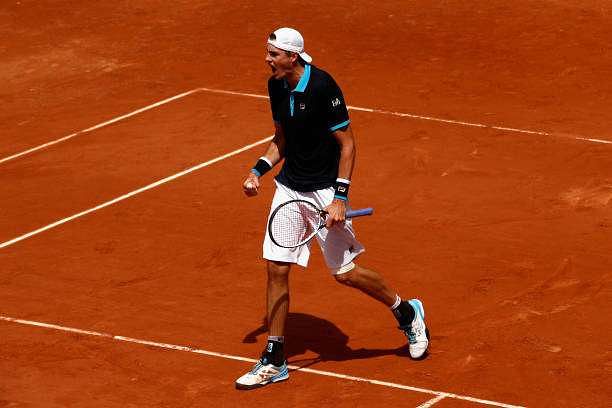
x=293, y=57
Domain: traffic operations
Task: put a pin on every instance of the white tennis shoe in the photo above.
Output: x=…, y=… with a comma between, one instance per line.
x=262, y=374
x=416, y=332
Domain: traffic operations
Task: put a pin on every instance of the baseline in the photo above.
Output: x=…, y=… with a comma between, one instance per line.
x=439, y=395
x=258, y=96
x=432, y=119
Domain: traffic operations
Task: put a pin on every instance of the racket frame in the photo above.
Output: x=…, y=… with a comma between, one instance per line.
x=349, y=214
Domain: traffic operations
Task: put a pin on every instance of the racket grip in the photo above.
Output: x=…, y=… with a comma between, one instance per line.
x=360, y=212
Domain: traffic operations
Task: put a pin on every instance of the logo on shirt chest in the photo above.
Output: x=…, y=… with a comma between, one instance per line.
x=302, y=106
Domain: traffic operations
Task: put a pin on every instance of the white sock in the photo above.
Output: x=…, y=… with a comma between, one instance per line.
x=398, y=300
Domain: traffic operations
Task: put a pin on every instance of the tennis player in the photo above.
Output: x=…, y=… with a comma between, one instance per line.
x=314, y=137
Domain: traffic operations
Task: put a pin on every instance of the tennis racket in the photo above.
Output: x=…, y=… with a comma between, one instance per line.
x=296, y=222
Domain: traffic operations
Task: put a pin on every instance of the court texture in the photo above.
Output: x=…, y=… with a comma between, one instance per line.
x=130, y=269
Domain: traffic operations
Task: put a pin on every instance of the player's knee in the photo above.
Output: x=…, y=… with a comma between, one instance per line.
x=345, y=279
x=345, y=275
x=278, y=270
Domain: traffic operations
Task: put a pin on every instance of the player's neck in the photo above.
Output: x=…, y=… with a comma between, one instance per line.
x=294, y=77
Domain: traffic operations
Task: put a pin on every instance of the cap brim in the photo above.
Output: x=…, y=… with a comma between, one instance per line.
x=305, y=57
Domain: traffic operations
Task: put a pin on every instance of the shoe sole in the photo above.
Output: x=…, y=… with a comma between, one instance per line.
x=244, y=387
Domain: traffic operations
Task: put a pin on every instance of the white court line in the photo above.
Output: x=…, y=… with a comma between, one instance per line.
x=252, y=95
x=221, y=91
x=433, y=401
x=439, y=395
x=133, y=193
x=431, y=118
x=99, y=125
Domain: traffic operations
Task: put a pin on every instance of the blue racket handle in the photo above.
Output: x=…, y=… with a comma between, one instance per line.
x=359, y=213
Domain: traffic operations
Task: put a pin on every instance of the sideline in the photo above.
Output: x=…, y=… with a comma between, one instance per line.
x=439, y=395
x=99, y=125
x=135, y=192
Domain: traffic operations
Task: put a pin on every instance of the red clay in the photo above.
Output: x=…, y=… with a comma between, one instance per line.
x=506, y=237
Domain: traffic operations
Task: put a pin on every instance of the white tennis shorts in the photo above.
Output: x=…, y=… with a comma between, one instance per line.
x=338, y=244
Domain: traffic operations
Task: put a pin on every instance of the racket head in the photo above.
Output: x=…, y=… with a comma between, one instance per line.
x=294, y=223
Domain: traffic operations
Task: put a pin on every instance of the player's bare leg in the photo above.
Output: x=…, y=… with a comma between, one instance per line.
x=278, y=297
x=369, y=282
x=409, y=313
x=272, y=366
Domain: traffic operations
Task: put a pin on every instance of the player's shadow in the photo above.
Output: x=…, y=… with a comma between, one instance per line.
x=306, y=332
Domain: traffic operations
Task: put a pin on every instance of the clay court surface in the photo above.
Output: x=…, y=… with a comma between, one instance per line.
x=487, y=158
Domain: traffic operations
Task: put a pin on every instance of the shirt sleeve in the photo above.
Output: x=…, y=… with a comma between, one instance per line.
x=274, y=95
x=336, y=113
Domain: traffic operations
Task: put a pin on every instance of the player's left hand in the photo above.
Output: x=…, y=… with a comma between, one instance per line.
x=336, y=212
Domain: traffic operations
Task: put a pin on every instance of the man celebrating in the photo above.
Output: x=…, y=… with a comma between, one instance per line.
x=313, y=135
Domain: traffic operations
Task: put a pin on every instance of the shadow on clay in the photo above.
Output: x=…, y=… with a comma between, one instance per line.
x=310, y=333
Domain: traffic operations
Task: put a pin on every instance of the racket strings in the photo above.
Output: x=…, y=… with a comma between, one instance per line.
x=295, y=223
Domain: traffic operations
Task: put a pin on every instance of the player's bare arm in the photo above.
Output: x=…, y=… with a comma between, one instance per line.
x=274, y=154
x=337, y=209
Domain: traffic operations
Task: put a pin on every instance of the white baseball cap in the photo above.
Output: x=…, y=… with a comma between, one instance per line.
x=288, y=39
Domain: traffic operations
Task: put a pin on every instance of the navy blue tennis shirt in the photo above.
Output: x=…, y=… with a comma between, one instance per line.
x=308, y=115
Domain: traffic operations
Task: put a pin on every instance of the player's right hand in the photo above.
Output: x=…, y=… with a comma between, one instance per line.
x=336, y=212
x=250, y=185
